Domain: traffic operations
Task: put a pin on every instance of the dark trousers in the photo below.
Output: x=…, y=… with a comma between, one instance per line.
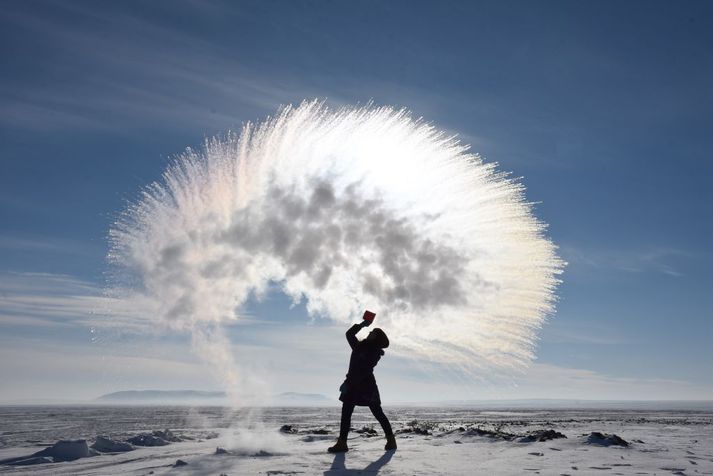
x=348, y=409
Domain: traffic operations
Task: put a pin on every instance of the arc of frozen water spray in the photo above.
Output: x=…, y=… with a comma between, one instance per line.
x=348, y=209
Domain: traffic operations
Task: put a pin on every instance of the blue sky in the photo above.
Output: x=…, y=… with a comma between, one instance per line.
x=604, y=109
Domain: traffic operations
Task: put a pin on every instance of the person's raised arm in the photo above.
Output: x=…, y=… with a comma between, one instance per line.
x=352, y=332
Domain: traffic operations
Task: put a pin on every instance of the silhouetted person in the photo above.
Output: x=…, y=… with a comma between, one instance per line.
x=360, y=386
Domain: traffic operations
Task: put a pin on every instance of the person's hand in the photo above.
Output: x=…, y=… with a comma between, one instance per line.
x=365, y=323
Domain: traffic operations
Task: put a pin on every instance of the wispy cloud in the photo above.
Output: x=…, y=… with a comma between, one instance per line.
x=159, y=75
x=204, y=86
x=548, y=381
x=646, y=259
x=85, y=370
x=45, y=244
x=45, y=299
x=564, y=332
x=291, y=356
x=551, y=381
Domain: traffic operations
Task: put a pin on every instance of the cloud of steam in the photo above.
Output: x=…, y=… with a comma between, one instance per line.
x=350, y=209
x=321, y=233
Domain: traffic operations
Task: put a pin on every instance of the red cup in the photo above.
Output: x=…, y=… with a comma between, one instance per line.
x=369, y=316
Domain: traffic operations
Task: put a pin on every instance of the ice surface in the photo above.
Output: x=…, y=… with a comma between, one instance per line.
x=450, y=441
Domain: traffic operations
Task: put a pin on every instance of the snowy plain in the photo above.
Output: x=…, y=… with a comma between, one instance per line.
x=283, y=441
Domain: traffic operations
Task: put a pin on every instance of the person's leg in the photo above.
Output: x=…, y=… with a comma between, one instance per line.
x=341, y=445
x=379, y=415
x=388, y=432
x=347, y=410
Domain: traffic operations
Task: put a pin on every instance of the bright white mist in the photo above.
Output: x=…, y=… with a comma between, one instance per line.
x=358, y=208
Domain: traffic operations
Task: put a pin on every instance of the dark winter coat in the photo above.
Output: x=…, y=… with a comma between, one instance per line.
x=360, y=386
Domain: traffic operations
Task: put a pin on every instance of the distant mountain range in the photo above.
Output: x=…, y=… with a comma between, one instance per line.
x=150, y=395
x=206, y=397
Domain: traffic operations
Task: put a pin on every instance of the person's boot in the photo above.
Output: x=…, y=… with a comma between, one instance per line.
x=390, y=442
x=340, y=447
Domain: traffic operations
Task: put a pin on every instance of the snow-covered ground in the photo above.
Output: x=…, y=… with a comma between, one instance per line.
x=431, y=441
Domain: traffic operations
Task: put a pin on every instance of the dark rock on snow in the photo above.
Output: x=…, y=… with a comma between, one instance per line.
x=67, y=450
x=147, y=439
x=167, y=435
x=417, y=431
x=542, y=435
x=366, y=431
x=495, y=434
x=420, y=427
x=320, y=431
x=25, y=461
x=63, y=450
x=155, y=438
x=604, y=439
x=107, y=445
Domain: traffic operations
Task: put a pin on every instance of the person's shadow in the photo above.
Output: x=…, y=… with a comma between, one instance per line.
x=338, y=467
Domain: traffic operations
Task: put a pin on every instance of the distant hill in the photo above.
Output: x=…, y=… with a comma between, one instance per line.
x=159, y=395
x=192, y=397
